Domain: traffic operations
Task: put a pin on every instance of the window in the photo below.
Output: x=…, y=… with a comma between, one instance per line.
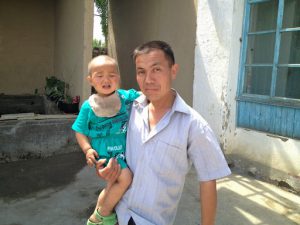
x=269, y=79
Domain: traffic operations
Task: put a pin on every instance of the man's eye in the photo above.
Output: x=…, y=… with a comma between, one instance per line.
x=157, y=69
x=141, y=72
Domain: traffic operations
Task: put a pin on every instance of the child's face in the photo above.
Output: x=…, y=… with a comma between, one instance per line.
x=104, y=78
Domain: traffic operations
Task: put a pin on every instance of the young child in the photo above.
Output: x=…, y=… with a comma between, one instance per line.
x=101, y=131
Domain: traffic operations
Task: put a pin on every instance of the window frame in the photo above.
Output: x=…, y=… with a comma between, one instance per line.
x=270, y=99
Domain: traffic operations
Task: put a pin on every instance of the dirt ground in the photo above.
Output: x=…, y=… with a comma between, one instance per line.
x=63, y=190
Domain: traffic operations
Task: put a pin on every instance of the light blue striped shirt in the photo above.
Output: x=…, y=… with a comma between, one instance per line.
x=161, y=158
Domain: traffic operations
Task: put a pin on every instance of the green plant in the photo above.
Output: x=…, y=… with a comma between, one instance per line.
x=97, y=43
x=55, y=89
x=102, y=8
x=68, y=99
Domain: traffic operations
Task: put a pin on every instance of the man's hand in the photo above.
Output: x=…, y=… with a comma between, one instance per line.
x=91, y=156
x=111, y=172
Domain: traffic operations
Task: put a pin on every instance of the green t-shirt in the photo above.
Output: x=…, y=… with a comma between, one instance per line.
x=107, y=134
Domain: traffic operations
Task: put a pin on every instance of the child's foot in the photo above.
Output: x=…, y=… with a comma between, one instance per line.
x=110, y=220
x=97, y=219
x=89, y=222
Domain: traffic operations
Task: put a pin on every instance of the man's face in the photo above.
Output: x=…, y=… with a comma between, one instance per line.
x=154, y=75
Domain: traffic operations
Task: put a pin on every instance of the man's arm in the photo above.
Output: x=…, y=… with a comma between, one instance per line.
x=208, y=201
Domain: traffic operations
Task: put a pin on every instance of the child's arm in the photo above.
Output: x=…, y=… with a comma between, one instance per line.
x=90, y=154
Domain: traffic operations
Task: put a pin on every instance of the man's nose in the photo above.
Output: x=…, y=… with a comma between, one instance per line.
x=149, y=77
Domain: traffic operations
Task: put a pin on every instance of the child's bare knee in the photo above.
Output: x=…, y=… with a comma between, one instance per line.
x=125, y=178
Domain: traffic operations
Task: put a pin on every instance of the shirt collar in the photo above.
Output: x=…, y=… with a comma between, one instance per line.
x=179, y=104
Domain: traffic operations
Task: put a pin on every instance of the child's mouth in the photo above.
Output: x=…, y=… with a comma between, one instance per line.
x=108, y=86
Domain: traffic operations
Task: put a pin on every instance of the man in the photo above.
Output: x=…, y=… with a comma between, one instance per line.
x=165, y=136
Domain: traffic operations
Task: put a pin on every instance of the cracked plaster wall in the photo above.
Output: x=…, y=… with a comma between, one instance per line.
x=217, y=53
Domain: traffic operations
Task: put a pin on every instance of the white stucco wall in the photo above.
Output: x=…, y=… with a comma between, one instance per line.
x=173, y=21
x=46, y=38
x=26, y=45
x=217, y=53
x=213, y=40
x=73, y=44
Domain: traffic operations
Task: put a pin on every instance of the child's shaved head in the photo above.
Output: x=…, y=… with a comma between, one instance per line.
x=101, y=60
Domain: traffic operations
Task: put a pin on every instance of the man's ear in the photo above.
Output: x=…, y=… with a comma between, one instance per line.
x=174, y=71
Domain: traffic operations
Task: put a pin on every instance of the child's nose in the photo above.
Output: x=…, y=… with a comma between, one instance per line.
x=106, y=79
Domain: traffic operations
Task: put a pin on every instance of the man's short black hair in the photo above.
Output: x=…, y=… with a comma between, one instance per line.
x=155, y=45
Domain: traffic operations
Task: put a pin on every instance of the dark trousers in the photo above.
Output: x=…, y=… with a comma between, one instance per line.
x=131, y=221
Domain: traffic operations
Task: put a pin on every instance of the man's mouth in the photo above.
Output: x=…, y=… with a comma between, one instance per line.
x=151, y=89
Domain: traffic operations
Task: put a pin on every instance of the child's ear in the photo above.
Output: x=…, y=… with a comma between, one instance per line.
x=89, y=78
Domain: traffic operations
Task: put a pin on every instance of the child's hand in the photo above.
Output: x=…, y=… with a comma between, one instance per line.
x=91, y=156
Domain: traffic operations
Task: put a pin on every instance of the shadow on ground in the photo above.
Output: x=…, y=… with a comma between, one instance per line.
x=242, y=200
x=24, y=178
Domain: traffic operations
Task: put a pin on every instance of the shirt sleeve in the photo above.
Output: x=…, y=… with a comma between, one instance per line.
x=134, y=94
x=81, y=123
x=131, y=94
x=205, y=152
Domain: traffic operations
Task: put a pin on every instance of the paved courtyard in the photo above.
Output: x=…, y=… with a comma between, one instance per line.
x=63, y=190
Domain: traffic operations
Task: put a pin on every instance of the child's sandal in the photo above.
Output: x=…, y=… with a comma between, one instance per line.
x=93, y=223
x=98, y=217
x=110, y=220
x=104, y=220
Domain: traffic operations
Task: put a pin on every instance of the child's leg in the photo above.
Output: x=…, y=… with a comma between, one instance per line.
x=113, y=195
x=102, y=196
x=99, y=204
